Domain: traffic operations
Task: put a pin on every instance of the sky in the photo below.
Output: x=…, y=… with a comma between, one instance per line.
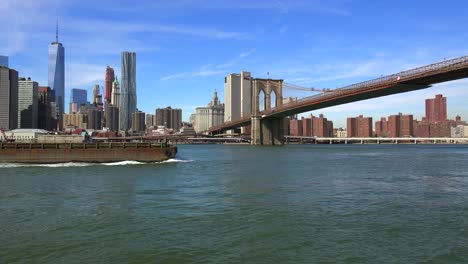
x=185, y=48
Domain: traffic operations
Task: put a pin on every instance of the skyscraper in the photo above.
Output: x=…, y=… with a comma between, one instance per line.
x=57, y=72
x=128, y=100
x=237, y=96
x=116, y=93
x=8, y=98
x=78, y=96
x=108, y=85
x=27, y=103
x=169, y=117
x=4, y=61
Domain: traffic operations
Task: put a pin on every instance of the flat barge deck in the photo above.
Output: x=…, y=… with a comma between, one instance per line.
x=95, y=152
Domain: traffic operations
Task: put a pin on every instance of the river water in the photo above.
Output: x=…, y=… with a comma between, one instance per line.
x=243, y=204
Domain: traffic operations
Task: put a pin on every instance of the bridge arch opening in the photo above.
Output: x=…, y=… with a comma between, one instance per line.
x=273, y=102
x=261, y=100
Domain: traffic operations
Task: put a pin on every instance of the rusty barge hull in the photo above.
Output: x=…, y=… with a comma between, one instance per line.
x=84, y=152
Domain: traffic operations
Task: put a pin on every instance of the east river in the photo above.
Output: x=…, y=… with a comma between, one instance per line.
x=243, y=204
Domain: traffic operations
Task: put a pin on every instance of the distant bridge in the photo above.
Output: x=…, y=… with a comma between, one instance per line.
x=267, y=126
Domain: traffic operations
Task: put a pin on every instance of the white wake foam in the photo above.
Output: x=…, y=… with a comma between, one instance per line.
x=84, y=164
x=122, y=163
x=175, y=161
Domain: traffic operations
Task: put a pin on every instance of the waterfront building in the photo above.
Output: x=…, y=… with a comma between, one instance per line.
x=295, y=127
x=27, y=103
x=193, y=119
x=111, y=117
x=78, y=97
x=307, y=127
x=169, y=117
x=115, y=93
x=210, y=115
x=45, y=98
x=108, y=84
x=321, y=127
x=396, y=126
x=128, y=99
x=150, y=121
x=8, y=98
x=79, y=120
x=460, y=131
x=94, y=118
x=4, y=61
x=138, y=121
x=57, y=72
x=341, y=133
x=24, y=135
x=359, y=126
x=237, y=96
x=436, y=109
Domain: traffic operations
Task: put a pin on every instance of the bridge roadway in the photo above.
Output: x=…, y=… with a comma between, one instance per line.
x=377, y=140
x=411, y=80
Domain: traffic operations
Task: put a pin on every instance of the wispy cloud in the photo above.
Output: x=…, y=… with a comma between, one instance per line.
x=335, y=7
x=120, y=27
x=84, y=74
x=210, y=70
x=247, y=53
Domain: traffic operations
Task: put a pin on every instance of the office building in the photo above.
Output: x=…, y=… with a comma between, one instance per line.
x=111, y=117
x=79, y=120
x=168, y=117
x=138, y=122
x=128, y=99
x=94, y=118
x=150, y=121
x=115, y=93
x=97, y=98
x=210, y=115
x=237, y=96
x=193, y=119
x=45, y=98
x=79, y=97
x=8, y=98
x=359, y=126
x=27, y=103
x=436, y=109
x=57, y=72
x=108, y=84
x=4, y=61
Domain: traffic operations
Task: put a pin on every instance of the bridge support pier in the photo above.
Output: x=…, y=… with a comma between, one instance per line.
x=268, y=131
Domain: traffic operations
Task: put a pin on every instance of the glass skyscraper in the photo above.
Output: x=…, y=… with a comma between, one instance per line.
x=57, y=73
x=4, y=61
x=79, y=96
x=128, y=100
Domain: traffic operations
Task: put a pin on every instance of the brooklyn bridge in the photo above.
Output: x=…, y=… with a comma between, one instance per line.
x=268, y=110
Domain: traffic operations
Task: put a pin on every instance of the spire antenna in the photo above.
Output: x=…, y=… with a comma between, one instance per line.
x=56, y=32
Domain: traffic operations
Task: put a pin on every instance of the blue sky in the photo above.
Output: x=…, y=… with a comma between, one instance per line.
x=185, y=48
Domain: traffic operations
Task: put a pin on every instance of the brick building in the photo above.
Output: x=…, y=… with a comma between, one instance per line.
x=359, y=126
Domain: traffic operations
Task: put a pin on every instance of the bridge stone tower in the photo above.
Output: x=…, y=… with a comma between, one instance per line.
x=268, y=94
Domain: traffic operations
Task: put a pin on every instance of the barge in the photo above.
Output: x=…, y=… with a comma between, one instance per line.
x=90, y=152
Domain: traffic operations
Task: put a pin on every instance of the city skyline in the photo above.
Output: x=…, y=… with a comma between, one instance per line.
x=190, y=57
